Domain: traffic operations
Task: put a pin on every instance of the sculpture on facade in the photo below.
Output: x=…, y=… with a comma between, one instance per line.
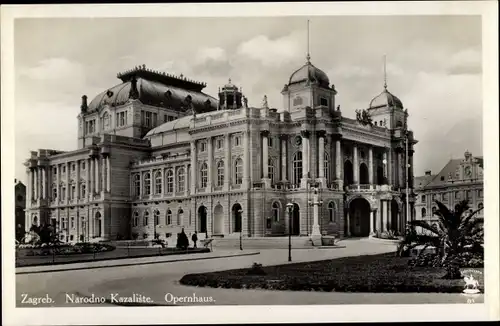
x=264, y=102
x=363, y=117
x=245, y=101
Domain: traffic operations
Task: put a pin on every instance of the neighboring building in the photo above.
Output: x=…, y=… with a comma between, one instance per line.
x=20, y=198
x=221, y=167
x=458, y=180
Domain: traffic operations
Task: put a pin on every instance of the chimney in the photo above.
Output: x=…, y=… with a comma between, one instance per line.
x=428, y=172
x=84, y=106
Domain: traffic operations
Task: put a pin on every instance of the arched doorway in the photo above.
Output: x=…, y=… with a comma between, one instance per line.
x=394, y=226
x=359, y=217
x=237, y=210
x=363, y=174
x=380, y=175
x=202, y=219
x=296, y=219
x=348, y=173
x=97, y=225
x=218, y=220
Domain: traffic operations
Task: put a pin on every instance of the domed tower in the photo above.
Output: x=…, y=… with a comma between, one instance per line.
x=308, y=86
x=386, y=109
x=230, y=98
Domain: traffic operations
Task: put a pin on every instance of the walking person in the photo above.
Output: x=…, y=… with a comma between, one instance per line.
x=195, y=238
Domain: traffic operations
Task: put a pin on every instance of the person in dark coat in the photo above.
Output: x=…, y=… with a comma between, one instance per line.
x=195, y=238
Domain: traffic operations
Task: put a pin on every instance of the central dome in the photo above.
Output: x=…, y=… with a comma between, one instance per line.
x=309, y=72
x=386, y=99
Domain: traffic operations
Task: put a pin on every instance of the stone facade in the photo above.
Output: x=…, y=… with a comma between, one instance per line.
x=458, y=180
x=222, y=168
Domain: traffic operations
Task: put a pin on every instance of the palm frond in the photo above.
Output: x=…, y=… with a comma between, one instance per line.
x=424, y=225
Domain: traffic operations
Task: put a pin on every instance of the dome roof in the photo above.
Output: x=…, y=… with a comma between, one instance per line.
x=155, y=89
x=386, y=99
x=309, y=72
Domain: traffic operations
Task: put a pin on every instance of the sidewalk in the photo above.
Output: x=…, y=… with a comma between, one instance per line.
x=134, y=261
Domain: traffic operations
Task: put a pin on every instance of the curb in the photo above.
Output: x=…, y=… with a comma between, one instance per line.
x=133, y=264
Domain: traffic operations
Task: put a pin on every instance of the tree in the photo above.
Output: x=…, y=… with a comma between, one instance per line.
x=182, y=240
x=457, y=232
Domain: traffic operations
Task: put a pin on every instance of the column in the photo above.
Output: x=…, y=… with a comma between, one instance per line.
x=35, y=182
x=29, y=186
x=390, y=175
x=372, y=231
x=58, y=185
x=246, y=156
x=265, y=154
x=321, y=157
x=388, y=225
x=315, y=229
x=227, y=162
x=284, y=157
x=338, y=161
x=370, y=166
x=401, y=164
x=97, y=183
x=355, y=167
x=210, y=164
x=305, y=158
x=186, y=180
x=348, y=221
x=44, y=183
x=87, y=180
x=410, y=169
x=193, y=166
x=104, y=174
x=386, y=165
x=77, y=182
x=152, y=183
x=108, y=176
x=68, y=191
x=383, y=217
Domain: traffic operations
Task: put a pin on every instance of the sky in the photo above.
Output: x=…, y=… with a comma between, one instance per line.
x=434, y=66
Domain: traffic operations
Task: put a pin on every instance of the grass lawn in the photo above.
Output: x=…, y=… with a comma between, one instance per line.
x=118, y=253
x=373, y=273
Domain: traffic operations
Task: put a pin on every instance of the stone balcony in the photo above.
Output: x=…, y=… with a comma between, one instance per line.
x=368, y=188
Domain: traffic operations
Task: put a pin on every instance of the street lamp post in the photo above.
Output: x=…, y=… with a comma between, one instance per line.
x=407, y=179
x=240, y=212
x=290, y=209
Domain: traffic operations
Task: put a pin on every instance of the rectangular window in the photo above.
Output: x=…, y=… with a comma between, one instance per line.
x=83, y=191
x=270, y=141
x=480, y=193
x=148, y=119
x=83, y=165
x=72, y=222
x=155, y=119
x=170, y=118
x=64, y=169
x=323, y=101
x=54, y=171
x=73, y=167
x=165, y=118
x=423, y=199
x=237, y=141
x=203, y=147
x=220, y=143
x=73, y=192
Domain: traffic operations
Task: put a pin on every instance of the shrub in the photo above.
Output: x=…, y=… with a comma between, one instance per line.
x=256, y=269
x=182, y=240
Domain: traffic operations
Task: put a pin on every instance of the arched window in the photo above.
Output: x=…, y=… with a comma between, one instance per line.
x=157, y=217
x=424, y=212
x=399, y=124
x=297, y=168
x=270, y=170
x=169, y=217
x=83, y=191
x=158, y=183
x=238, y=171
x=145, y=218
x=220, y=173
x=147, y=184
x=54, y=193
x=204, y=175
x=423, y=199
x=276, y=211
x=326, y=169
x=480, y=205
x=105, y=120
x=375, y=123
x=170, y=181
x=35, y=220
x=135, y=219
x=180, y=216
x=331, y=211
x=181, y=179
x=137, y=185
x=433, y=210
